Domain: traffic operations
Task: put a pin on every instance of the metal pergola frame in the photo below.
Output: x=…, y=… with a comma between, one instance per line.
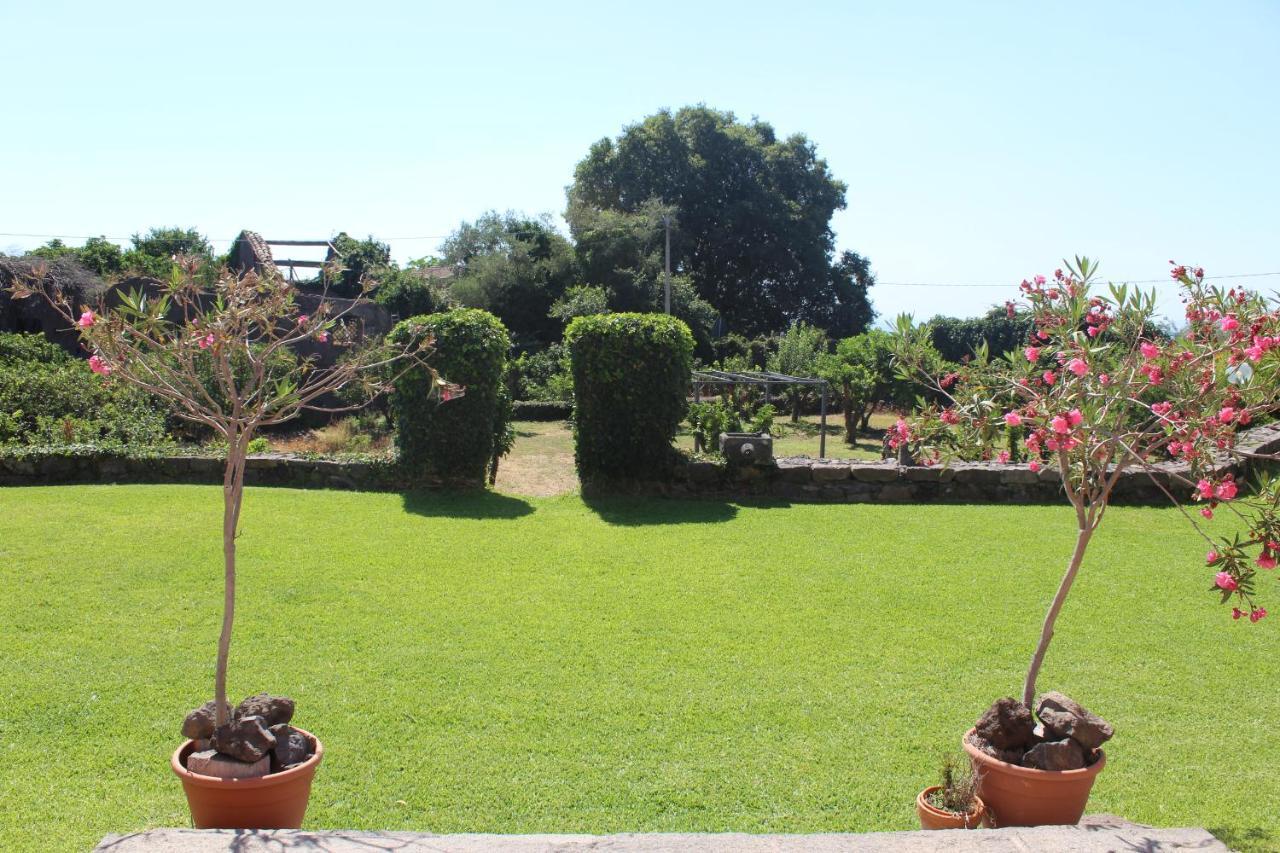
x=767, y=379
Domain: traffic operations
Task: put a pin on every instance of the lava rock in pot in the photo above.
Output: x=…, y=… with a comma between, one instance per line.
x=292, y=747
x=1055, y=755
x=246, y=739
x=1009, y=756
x=199, y=723
x=1064, y=717
x=274, y=710
x=1007, y=724
x=213, y=763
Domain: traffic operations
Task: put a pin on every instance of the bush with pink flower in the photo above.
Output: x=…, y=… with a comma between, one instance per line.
x=1100, y=390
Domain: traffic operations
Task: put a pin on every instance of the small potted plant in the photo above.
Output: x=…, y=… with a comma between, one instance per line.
x=218, y=349
x=955, y=803
x=1098, y=393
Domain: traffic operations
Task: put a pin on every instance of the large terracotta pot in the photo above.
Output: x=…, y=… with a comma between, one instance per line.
x=1022, y=796
x=275, y=801
x=932, y=817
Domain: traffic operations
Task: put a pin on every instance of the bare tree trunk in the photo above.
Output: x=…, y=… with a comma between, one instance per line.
x=1046, y=633
x=232, y=494
x=850, y=421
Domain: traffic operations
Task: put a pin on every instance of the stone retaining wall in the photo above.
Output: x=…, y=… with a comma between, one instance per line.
x=93, y=466
x=790, y=478
x=805, y=479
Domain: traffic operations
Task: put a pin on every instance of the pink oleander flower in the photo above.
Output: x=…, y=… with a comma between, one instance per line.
x=302, y=319
x=1236, y=613
x=1013, y=419
x=1226, y=415
x=1149, y=350
x=1224, y=580
x=98, y=366
x=206, y=341
x=1229, y=323
x=1266, y=560
x=1060, y=425
x=1032, y=354
x=1003, y=457
x=1205, y=489
x=86, y=320
x=1226, y=490
x=1257, y=613
x=1039, y=279
x=1034, y=466
x=322, y=336
x=1104, y=378
x=949, y=416
x=1211, y=557
x=1049, y=377
x=1094, y=331
x=1074, y=417
x=1078, y=366
x=1162, y=409
x=1207, y=513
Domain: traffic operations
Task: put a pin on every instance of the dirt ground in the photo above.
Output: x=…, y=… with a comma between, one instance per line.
x=541, y=462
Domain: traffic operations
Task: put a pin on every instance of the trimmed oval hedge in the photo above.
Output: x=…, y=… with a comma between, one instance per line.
x=456, y=442
x=630, y=385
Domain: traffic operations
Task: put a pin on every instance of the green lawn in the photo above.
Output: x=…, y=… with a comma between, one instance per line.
x=496, y=664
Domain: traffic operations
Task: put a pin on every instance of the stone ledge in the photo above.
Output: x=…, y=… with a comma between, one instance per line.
x=1086, y=838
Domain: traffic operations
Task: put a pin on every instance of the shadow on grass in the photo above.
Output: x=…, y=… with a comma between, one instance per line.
x=477, y=504
x=636, y=511
x=1252, y=838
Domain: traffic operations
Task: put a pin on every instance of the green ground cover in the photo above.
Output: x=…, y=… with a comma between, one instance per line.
x=497, y=664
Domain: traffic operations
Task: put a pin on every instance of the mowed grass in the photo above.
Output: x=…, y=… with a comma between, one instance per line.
x=494, y=664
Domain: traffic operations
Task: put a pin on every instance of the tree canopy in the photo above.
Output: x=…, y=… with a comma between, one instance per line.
x=751, y=219
x=515, y=267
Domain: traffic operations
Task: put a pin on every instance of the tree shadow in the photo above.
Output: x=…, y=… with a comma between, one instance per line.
x=639, y=511
x=478, y=504
x=1242, y=838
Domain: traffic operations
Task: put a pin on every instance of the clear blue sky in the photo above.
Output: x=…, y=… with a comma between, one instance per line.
x=981, y=142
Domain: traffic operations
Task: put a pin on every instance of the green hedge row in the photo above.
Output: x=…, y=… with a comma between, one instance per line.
x=630, y=385
x=542, y=410
x=456, y=441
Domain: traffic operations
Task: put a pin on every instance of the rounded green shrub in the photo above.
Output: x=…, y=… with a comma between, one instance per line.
x=630, y=382
x=458, y=441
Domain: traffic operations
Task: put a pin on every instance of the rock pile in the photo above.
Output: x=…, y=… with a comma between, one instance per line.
x=1066, y=738
x=256, y=739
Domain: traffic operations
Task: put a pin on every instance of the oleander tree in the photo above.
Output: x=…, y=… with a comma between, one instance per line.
x=1099, y=390
x=211, y=343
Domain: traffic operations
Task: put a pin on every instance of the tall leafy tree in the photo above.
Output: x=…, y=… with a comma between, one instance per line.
x=515, y=267
x=751, y=219
x=799, y=350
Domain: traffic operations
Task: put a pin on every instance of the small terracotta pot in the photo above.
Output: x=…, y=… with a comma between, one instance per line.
x=932, y=817
x=1024, y=796
x=274, y=801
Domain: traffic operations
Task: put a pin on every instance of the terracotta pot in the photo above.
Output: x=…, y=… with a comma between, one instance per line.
x=1023, y=796
x=274, y=801
x=932, y=817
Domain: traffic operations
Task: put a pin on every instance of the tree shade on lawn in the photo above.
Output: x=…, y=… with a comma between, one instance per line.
x=495, y=664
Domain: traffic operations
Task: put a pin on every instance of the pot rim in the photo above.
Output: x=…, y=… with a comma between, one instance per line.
x=1032, y=772
x=922, y=799
x=307, y=767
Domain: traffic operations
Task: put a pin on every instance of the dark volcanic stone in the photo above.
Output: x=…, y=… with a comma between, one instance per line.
x=292, y=747
x=246, y=739
x=1064, y=718
x=1009, y=756
x=274, y=710
x=1055, y=755
x=1006, y=725
x=199, y=723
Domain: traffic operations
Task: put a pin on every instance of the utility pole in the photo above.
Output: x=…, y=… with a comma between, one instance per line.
x=666, y=221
